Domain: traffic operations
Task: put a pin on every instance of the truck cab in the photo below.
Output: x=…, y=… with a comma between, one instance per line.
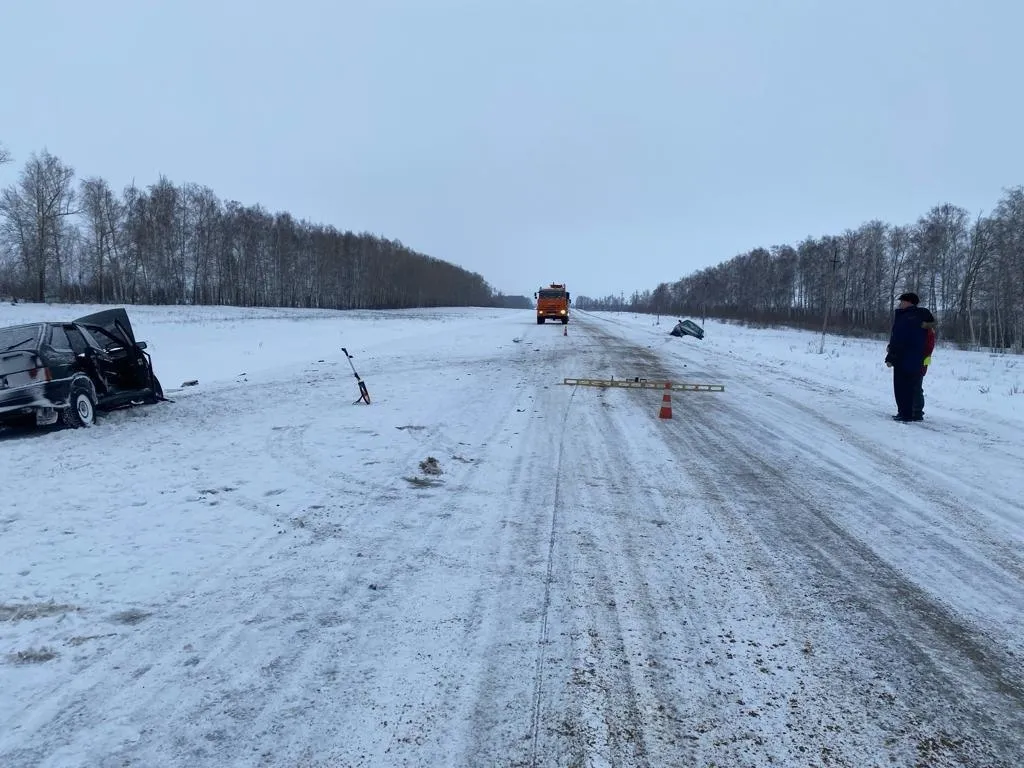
x=552, y=302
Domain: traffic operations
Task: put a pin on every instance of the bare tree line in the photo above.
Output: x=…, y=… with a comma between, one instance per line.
x=968, y=269
x=80, y=241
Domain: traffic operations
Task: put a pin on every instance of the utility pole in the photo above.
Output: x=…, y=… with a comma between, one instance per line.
x=828, y=296
x=704, y=304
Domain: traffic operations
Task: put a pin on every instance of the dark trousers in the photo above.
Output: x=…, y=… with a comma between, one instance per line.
x=918, y=411
x=906, y=386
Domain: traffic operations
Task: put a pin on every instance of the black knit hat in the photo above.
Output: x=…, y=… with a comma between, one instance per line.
x=911, y=297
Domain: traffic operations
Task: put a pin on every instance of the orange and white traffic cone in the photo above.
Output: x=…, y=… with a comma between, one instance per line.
x=666, y=403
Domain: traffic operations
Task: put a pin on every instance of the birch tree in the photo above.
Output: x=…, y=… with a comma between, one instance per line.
x=34, y=210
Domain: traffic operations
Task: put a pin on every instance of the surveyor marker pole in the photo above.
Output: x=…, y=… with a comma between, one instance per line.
x=364, y=395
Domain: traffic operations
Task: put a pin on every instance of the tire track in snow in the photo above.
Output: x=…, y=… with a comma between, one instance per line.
x=987, y=559
x=604, y=711
x=497, y=710
x=932, y=483
x=847, y=573
x=542, y=641
x=902, y=633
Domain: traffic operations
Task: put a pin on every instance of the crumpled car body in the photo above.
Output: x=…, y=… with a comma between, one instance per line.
x=687, y=328
x=52, y=371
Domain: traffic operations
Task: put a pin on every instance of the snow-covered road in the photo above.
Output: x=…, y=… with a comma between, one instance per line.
x=264, y=574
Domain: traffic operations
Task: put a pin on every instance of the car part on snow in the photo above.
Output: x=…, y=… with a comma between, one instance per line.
x=638, y=383
x=687, y=328
x=364, y=395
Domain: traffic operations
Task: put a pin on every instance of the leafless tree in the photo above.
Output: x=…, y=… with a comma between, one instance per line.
x=103, y=217
x=34, y=210
x=977, y=258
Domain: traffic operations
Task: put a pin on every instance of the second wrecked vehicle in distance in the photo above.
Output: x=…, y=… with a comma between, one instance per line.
x=52, y=371
x=687, y=328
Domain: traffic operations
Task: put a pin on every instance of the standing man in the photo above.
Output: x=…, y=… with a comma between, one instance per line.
x=906, y=353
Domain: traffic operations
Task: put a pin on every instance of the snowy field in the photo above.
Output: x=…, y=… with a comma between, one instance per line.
x=486, y=567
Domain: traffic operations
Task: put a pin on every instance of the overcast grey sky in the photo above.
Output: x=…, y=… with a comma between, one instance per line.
x=608, y=144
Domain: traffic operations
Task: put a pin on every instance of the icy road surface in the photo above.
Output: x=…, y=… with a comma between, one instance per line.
x=486, y=567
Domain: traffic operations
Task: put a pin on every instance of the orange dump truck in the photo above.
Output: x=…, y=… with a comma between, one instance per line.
x=552, y=302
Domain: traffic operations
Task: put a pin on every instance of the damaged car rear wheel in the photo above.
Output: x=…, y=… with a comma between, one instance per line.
x=82, y=410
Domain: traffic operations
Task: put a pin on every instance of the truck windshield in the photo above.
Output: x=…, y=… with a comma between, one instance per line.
x=549, y=294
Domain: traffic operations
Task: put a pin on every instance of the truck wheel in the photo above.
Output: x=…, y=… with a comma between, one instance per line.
x=82, y=409
x=565, y=320
x=540, y=321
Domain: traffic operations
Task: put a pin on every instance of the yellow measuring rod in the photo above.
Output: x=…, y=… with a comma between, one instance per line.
x=639, y=383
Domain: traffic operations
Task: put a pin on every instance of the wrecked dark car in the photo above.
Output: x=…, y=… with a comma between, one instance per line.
x=687, y=328
x=66, y=372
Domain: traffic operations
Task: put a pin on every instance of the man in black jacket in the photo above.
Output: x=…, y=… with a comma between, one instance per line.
x=906, y=353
